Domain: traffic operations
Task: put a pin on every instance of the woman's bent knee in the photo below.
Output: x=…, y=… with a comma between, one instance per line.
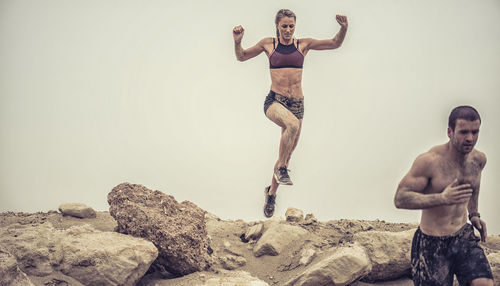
x=293, y=126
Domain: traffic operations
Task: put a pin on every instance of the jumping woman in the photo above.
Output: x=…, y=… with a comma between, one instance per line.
x=284, y=105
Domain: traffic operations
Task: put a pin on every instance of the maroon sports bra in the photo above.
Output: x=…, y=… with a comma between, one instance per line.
x=286, y=56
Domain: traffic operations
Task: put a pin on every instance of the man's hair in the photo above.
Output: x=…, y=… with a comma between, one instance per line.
x=462, y=112
x=283, y=13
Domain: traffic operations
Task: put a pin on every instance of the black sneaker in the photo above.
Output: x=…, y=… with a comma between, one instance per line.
x=281, y=176
x=269, y=203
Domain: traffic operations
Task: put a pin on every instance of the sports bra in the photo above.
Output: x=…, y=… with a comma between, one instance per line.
x=286, y=56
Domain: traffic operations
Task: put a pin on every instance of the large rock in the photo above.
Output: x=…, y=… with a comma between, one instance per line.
x=178, y=230
x=277, y=238
x=494, y=259
x=77, y=210
x=10, y=274
x=344, y=266
x=92, y=257
x=389, y=253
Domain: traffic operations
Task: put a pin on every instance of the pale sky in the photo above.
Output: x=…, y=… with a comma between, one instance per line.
x=96, y=93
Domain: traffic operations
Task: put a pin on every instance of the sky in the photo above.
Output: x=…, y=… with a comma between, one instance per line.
x=96, y=93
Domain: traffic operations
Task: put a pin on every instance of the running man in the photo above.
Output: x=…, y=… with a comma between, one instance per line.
x=444, y=184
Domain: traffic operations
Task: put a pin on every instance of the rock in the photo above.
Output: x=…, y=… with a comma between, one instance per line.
x=276, y=238
x=398, y=282
x=231, y=262
x=222, y=278
x=178, y=230
x=10, y=274
x=344, y=266
x=228, y=248
x=389, y=253
x=55, y=279
x=235, y=278
x=309, y=219
x=92, y=257
x=254, y=232
x=77, y=210
x=294, y=215
x=494, y=259
x=307, y=256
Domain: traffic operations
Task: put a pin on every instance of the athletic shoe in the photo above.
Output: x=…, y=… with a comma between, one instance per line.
x=281, y=176
x=269, y=203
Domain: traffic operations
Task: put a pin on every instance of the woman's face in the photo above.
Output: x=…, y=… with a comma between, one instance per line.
x=286, y=27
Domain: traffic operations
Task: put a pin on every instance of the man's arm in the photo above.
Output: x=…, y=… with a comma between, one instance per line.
x=410, y=192
x=473, y=208
x=242, y=54
x=329, y=44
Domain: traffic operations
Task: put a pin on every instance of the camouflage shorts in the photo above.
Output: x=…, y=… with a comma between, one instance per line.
x=295, y=105
x=435, y=259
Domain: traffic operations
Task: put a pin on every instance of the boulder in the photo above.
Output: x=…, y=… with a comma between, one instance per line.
x=276, y=238
x=10, y=274
x=389, y=253
x=254, y=232
x=178, y=230
x=294, y=215
x=342, y=267
x=91, y=257
x=77, y=210
x=494, y=259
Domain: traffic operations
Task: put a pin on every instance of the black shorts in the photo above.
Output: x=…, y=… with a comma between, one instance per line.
x=295, y=105
x=435, y=259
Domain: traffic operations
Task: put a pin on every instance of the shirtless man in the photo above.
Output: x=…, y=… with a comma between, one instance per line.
x=444, y=184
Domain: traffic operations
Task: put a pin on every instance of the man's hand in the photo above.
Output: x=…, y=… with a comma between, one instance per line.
x=238, y=32
x=480, y=225
x=457, y=194
x=342, y=20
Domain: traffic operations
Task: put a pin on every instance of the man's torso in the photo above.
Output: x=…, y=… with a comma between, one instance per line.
x=447, y=219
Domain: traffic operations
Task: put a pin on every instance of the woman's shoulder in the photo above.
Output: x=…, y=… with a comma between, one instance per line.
x=267, y=40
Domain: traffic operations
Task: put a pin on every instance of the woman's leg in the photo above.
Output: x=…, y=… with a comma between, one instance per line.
x=290, y=130
x=295, y=142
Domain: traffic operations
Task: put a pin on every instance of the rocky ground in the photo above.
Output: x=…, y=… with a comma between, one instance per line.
x=149, y=239
x=275, y=270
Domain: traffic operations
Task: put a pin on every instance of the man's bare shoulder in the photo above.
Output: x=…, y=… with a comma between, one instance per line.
x=479, y=157
x=439, y=150
x=434, y=154
x=425, y=162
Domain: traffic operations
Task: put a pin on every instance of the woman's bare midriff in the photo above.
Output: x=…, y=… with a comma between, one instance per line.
x=287, y=81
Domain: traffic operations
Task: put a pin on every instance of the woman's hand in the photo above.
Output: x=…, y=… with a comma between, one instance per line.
x=238, y=32
x=342, y=20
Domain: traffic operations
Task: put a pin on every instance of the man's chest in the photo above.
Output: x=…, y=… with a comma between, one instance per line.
x=445, y=173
